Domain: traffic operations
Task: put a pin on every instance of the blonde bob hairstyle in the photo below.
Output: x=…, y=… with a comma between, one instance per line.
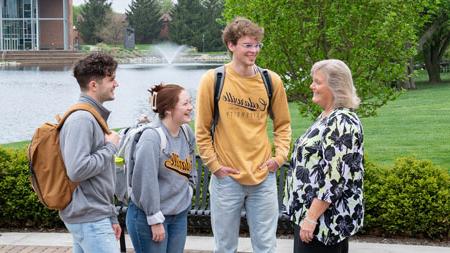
x=339, y=78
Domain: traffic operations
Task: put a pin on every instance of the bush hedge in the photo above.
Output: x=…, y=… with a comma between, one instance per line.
x=19, y=205
x=409, y=199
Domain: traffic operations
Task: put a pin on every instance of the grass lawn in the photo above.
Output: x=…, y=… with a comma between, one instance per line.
x=16, y=145
x=416, y=124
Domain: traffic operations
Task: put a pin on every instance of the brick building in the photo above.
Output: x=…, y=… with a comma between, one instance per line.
x=36, y=25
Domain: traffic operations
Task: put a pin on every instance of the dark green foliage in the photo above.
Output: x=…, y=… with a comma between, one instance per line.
x=411, y=199
x=93, y=18
x=19, y=205
x=187, y=23
x=213, y=26
x=144, y=16
x=166, y=6
x=195, y=23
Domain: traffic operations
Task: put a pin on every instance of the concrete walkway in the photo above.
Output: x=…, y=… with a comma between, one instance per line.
x=61, y=243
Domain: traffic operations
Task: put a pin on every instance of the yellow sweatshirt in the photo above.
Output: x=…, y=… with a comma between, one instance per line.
x=240, y=139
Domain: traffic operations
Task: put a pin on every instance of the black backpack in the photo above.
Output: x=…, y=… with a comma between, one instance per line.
x=219, y=74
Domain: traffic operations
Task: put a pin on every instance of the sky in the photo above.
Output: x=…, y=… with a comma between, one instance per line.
x=117, y=5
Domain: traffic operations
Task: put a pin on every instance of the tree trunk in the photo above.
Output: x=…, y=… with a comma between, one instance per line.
x=432, y=64
x=434, y=48
x=434, y=75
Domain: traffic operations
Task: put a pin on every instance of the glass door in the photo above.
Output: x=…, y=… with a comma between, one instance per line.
x=18, y=24
x=11, y=34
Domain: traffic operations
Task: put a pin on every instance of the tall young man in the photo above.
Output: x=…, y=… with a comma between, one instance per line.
x=88, y=156
x=238, y=152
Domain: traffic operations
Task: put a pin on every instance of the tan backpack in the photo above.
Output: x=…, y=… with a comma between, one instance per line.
x=48, y=172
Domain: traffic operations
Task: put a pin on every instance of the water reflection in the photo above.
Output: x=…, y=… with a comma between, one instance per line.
x=30, y=96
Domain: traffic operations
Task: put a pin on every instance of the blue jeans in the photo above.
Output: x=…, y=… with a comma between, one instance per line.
x=97, y=236
x=228, y=198
x=175, y=227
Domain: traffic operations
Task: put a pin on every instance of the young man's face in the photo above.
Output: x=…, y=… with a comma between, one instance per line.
x=245, y=51
x=104, y=89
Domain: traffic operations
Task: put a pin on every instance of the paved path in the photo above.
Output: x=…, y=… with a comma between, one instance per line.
x=61, y=243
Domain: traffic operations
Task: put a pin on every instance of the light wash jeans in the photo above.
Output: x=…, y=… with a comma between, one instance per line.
x=97, y=236
x=175, y=227
x=228, y=198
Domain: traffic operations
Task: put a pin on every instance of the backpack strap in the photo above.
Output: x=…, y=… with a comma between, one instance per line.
x=184, y=129
x=128, y=147
x=219, y=74
x=162, y=137
x=268, y=84
x=84, y=107
x=135, y=139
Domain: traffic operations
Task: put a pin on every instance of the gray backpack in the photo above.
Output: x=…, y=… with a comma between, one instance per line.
x=124, y=158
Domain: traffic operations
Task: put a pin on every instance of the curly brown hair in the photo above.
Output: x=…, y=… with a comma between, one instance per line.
x=95, y=66
x=239, y=28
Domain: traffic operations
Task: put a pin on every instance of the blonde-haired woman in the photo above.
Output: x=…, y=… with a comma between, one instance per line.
x=324, y=187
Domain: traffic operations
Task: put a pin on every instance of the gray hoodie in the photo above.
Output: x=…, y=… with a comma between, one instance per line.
x=89, y=161
x=162, y=182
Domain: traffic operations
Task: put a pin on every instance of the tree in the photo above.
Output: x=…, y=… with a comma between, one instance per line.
x=370, y=36
x=113, y=31
x=166, y=6
x=76, y=13
x=197, y=23
x=187, y=25
x=93, y=18
x=435, y=40
x=212, y=34
x=144, y=16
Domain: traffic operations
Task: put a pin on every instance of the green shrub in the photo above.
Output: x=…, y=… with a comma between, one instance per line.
x=19, y=205
x=411, y=199
x=4, y=159
x=374, y=177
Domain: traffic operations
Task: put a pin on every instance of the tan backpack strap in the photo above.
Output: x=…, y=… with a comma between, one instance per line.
x=89, y=108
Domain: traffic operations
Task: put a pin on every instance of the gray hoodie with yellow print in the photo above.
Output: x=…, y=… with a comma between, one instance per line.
x=162, y=180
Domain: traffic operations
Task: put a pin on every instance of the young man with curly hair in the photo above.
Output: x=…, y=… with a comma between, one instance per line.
x=88, y=155
x=238, y=150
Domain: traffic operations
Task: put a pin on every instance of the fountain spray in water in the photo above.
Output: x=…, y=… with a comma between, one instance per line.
x=169, y=51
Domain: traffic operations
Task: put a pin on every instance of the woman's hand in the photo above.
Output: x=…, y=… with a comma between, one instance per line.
x=158, y=232
x=309, y=223
x=307, y=228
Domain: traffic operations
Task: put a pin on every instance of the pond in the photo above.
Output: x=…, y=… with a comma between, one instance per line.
x=30, y=96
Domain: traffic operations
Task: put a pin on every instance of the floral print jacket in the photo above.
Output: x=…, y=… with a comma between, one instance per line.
x=327, y=163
